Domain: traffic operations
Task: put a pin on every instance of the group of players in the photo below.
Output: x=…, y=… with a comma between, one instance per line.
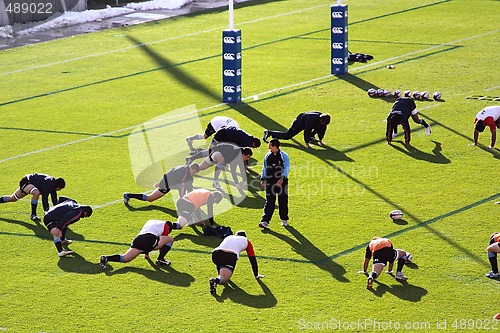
x=230, y=146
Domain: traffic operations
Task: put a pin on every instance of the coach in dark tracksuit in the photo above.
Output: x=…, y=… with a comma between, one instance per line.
x=401, y=111
x=274, y=179
x=311, y=123
x=58, y=219
x=37, y=184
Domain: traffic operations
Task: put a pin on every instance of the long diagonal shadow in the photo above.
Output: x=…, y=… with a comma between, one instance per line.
x=301, y=245
x=237, y=295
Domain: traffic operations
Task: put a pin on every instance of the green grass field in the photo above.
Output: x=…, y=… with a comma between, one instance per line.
x=75, y=108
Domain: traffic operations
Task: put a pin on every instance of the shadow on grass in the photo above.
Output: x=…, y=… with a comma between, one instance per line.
x=233, y=292
x=404, y=291
x=40, y=231
x=148, y=208
x=400, y=222
x=302, y=246
x=162, y=274
x=436, y=156
x=199, y=239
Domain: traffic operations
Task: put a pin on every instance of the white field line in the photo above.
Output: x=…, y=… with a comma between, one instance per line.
x=492, y=88
x=269, y=92
x=156, y=42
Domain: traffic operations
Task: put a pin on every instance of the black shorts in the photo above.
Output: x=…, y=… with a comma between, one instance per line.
x=51, y=224
x=145, y=242
x=209, y=130
x=163, y=185
x=384, y=255
x=224, y=259
x=185, y=208
x=23, y=183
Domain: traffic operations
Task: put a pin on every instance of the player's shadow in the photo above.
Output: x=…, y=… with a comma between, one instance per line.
x=325, y=153
x=302, y=246
x=162, y=274
x=75, y=263
x=402, y=290
x=39, y=229
x=399, y=221
x=199, y=239
x=357, y=81
x=436, y=156
x=166, y=210
x=233, y=292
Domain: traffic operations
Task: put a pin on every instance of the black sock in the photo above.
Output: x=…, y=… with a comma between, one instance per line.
x=138, y=196
x=424, y=123
x=401, y=263
x=494, y=264
x=164, y=250
x=114, y=257
x=33, y=208
x=58, y=245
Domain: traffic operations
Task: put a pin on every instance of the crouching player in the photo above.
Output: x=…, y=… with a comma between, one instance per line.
x=493, y=249
x=154, y=235
x=382, y=252
x=227, y=253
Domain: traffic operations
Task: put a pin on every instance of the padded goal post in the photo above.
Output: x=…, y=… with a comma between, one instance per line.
x=231, y=61
x=338, y=44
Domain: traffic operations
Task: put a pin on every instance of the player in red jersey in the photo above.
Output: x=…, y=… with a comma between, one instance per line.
x=489, y=116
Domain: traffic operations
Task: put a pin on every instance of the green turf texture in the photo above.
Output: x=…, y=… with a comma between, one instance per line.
x=69, y=107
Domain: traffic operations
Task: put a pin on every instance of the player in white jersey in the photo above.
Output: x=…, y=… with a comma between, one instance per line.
x=227, y=253
x=213, y=126
x=489, y=116
x=154, y=235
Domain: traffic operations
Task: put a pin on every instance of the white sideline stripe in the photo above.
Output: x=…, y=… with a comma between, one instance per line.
x=246, y=98
x=492, y=88
x=155, y=42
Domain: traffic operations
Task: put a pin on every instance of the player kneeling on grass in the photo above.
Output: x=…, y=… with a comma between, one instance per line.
x=493, y=249
x=382, y=252
x=59, y=217
x=227, y=253
x=154, y=235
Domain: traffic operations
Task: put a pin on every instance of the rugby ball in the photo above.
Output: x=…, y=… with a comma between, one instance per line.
x=380, y=92
x=397, y=93
x=387, y=93
x=409, y=258
x=436, y=95
x=396, y=214
x=424, y=95
x=416, y=94
x=407, y=93
x=372, y=92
